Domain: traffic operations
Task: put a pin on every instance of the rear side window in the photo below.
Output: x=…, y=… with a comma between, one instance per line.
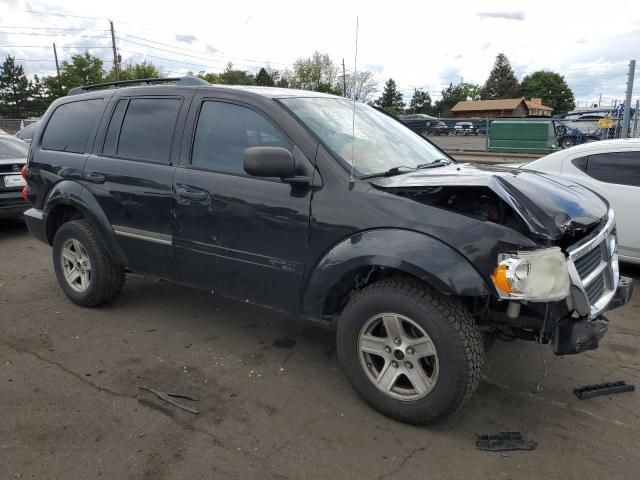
x=622, y=168
x=225, y=130
x=70, y=125
x=147, y=129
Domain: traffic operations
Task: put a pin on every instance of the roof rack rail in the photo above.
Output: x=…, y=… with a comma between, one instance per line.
x=188, y=81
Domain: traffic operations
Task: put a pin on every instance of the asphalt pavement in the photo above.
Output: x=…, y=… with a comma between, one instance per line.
x=273, y=402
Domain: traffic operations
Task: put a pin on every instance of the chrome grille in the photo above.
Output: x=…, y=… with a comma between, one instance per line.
x=593, y=267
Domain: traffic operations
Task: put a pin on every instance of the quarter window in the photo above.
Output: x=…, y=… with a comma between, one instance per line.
x=147, y=129
x=70, y=125
x=225, y=130
x=622, y=168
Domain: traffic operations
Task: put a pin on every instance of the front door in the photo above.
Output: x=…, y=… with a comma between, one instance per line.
x=243, y=236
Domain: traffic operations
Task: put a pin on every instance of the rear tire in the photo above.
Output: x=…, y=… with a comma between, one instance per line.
x=85, y=271
x=450, y=367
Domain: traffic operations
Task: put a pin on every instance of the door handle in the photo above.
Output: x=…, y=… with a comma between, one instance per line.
x=192, y=194
x=94, y=177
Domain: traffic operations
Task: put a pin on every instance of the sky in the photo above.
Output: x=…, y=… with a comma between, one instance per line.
x=419, y=44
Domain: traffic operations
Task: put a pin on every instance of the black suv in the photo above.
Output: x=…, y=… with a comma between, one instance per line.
x=276, y=197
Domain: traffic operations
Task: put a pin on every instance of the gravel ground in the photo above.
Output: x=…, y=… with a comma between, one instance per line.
x=273, y=401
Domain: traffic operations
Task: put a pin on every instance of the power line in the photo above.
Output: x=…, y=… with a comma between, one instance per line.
x=55, y=28
x=37, y=12
x=49, y=46
x=194, y=51
x=52, y=35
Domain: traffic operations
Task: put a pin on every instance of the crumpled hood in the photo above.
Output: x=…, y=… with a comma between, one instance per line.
x=549, y=205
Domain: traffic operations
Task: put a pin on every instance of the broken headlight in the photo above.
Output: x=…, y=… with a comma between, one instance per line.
x=537, y=275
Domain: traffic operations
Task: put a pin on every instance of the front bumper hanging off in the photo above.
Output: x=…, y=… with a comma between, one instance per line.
x=571, y=336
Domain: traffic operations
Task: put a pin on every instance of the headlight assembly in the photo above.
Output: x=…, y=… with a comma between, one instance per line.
x=537, y=275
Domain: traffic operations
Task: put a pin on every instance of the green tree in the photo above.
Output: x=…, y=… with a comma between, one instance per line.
x=38, y=102
x=264, y=78
x=317, y=73
x=232, y=76
x=420, y=102
x=210, y=77
x=15, y=90
x=391, y=99
x=502, y=81
x=135, y=71
x=552, y=88
x=454, y=94
x=83, y=69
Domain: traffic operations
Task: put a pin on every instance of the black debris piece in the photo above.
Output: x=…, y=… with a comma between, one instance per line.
x=590, y=391
x=504, y=441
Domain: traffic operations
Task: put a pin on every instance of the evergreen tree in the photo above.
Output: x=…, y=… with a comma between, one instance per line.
x=502, y=82
x=15, y=90
x=391, y=99
x=552, y=88
x=264, y=79
x=420, y=102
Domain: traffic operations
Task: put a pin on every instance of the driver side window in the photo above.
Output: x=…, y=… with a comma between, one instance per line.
x=225, y=130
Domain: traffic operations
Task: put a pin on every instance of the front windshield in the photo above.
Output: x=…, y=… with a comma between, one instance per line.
x=380, y=142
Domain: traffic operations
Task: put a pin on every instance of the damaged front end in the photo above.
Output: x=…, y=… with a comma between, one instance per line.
x=555, y=293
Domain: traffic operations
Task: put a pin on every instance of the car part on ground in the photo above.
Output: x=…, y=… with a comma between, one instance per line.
x=610, y=388
x=504, y=441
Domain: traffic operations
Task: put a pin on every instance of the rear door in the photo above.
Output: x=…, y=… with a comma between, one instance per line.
x=243, y=236
x=131, y=173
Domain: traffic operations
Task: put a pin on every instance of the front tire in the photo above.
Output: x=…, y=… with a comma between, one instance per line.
x=85, y=271
x=411, y=353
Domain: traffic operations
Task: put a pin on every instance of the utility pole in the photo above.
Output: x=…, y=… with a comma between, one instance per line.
x=55, y=55
x=344, y=80
x=599, y=100
x=115, y=52
x=627, y=100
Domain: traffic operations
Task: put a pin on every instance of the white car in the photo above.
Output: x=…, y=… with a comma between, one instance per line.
x=612, y=169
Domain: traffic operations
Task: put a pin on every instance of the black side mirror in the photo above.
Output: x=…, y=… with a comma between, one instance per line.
x=269, y=162
x=273, y=162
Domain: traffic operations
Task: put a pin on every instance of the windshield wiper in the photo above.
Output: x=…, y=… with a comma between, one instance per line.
x=389, y=173
x=440, y=162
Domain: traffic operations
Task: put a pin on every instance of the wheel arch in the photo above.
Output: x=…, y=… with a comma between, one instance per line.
x=368, y=256
x=69, y=200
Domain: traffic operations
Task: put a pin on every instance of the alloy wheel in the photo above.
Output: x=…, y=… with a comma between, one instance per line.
x=398, y=356
x=76, y=265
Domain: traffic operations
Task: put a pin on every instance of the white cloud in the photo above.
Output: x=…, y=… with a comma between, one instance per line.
x=518, y=15
x=437, y=44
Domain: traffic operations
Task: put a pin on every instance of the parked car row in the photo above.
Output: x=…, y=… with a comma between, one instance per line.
x=427, y=125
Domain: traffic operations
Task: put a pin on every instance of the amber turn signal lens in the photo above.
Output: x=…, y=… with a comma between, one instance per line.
x=499, y=277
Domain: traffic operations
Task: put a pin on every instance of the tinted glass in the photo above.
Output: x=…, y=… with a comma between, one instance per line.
x=147, y=129
x=225, y=130
x=70, y=125
x=111, y=139
x=580, y=163
x=13, y=148
x=622, y=168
